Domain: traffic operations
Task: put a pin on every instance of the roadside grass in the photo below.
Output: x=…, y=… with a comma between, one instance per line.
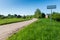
x=42, y=29
x=11, y=20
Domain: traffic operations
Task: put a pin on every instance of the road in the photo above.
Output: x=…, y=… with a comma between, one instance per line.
x=7, y=30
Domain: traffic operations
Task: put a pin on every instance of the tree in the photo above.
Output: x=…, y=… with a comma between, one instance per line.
x=43, y=15
x=19, y=16
x=15, y=15
x=2, y=17
x=10, y=16
x=37, y=13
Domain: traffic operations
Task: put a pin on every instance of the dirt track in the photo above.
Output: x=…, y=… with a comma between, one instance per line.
x=6, y=30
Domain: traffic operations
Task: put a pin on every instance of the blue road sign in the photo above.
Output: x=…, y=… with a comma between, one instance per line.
x=51, y=7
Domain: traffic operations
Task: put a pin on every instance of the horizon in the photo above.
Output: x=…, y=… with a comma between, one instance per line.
x=27, y=7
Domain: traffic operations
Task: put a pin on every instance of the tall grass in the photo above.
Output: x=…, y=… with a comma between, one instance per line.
x=11, y=20
x=39, y=30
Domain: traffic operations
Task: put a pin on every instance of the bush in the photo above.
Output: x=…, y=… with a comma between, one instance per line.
x=56, y=16
x=43, y=15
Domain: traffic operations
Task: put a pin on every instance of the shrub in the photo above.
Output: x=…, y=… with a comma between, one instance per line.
x=56, y=16
x=43, y=15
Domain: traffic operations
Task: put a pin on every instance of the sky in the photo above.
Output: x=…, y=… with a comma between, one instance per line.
x=27, y=7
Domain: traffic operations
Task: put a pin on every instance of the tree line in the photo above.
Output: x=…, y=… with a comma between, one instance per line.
x=10, y=16
x=37, y=14
x=15, y=16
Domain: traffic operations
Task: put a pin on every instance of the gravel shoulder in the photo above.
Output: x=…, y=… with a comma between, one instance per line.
x=6, y=30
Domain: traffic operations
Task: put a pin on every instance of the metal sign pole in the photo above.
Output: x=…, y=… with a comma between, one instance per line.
x=51, y=7
x=51, y=16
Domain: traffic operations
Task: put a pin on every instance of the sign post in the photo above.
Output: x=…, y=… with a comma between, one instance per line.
x=51, y=7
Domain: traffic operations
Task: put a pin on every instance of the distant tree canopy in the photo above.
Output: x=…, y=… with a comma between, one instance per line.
x=19, y=16
x=15, y=15
x=2, y=17
x=10, y=16
x=37, y=13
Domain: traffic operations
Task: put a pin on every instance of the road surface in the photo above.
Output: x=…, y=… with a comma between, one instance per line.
x=6, y=30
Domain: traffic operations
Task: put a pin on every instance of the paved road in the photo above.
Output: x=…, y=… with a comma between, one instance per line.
x=6, y=30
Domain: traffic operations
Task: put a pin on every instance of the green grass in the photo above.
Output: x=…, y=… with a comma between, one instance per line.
x=39, y=30
x=11, y=20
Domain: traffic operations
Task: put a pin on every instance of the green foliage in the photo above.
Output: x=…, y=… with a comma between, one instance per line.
x=39, y=30
x=19, y=16
x=56, y=16
x=37, y=13
x=24, y=16
x=15, y=15
x=43, y=15
x=10, y=16
x=2, y=16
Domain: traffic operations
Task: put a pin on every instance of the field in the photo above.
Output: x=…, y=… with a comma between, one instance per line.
x=42, y=29
x=11, y=20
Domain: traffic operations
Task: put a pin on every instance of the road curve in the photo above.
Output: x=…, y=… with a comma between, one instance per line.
x=6, y=30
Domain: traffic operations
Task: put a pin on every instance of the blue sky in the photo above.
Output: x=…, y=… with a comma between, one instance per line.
x=27, y=7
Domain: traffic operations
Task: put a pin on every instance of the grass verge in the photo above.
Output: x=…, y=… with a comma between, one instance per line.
x=11, y=20
x=39, y=30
